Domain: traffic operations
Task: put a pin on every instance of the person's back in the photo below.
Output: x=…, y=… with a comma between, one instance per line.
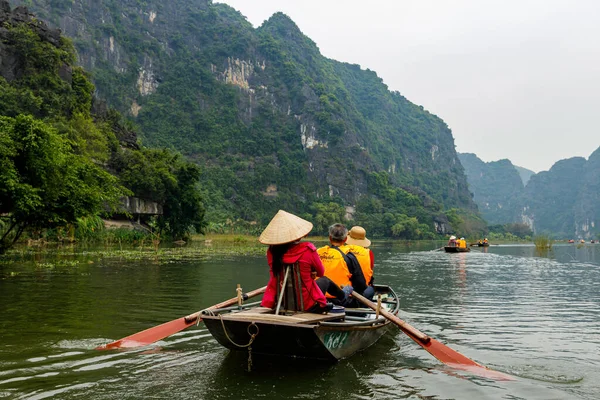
x=364, y=259
x=335, y=265
x=357, y=237
x=452, y=242
x=285, y=248
x=338, y=266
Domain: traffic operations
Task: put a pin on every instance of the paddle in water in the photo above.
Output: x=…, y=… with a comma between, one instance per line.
x=440, y=351
x=159, y=332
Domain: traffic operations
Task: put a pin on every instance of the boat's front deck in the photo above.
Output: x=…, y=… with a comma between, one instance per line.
x=264, y=314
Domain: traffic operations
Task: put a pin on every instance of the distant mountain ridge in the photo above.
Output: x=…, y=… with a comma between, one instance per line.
x=272, y=122
x=497, y=188
x=563, y=202
x=524, y=173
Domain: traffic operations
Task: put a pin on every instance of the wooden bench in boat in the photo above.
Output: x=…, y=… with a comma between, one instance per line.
x=264, y=314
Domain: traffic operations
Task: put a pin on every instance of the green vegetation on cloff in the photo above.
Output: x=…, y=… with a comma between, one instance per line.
x=61, y=164
x=269, y=121
x=564, y=201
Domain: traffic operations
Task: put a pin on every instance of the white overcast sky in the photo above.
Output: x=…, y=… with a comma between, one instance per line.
x=516, y=79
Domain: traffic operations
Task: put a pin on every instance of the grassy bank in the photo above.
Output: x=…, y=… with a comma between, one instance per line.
x=57, y=253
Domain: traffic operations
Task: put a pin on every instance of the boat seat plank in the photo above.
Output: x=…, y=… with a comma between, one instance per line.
x=299, y=318
x=255, y=310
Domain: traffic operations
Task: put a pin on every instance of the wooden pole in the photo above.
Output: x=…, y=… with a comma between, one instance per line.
x=240, y=300
x=287, y=272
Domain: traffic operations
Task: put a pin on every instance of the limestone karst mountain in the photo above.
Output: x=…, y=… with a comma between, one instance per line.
x=272, y=123
x=563, y=202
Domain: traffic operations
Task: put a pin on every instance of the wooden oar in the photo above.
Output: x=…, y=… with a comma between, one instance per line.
x=442, y=352
x=159, y=332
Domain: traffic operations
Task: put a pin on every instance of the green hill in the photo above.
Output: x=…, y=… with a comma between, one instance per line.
x=562, y=202
x=269, y=120
x=497, y=188
x=64, y=156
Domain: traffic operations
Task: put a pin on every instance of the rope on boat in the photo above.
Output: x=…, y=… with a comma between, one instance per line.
x=249, y=345
x=207, y=311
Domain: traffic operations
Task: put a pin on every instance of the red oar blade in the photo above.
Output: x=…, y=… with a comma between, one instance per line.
x=149, y=335
x=159, y=332
x=442, y=352
x=456, y=360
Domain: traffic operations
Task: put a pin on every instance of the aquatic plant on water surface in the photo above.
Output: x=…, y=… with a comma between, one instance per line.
x=543, y=241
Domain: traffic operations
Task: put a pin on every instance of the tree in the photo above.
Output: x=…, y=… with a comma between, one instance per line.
x=328, y=214
x=43, y=183
x=165, y=177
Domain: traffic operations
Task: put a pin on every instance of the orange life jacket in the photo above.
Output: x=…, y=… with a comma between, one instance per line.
x=335, y=266
x=364, y=259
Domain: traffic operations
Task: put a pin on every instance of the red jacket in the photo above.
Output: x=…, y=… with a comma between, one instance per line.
x=305, y=253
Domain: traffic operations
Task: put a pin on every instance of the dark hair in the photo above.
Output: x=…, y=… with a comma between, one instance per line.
x=277, y=252
x=338, y=232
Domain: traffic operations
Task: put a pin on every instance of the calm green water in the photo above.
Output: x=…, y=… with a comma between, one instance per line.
x=534, y=316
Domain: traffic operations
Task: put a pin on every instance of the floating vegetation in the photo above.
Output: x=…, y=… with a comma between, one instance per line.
x=543, y=242
x=61, y=256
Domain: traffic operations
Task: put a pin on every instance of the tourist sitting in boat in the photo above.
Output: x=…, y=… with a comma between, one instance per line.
x=462, y=243
x=359, y=245
x=339, y=265
x=452, y=241
x=283, y=235
x=485, y=241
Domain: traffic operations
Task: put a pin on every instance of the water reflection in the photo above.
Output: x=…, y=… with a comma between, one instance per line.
x=536, y=316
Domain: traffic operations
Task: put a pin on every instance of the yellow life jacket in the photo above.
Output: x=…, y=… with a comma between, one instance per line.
x=364, y=259
x=335, y=266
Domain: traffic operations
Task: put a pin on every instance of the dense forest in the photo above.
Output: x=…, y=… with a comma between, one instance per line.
x=268, y=120
x=66, y=159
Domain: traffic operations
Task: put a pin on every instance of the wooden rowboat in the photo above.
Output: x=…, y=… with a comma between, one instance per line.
x=453, y=249
x=331, y=336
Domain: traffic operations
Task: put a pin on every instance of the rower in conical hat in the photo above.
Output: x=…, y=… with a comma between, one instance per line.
x=285, y=228
x=283, y=236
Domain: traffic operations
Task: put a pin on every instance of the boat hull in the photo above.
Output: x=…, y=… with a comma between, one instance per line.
x=317, y=342
x=330, y=336
x=451, y=249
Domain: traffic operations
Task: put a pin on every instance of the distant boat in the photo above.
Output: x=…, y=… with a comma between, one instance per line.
x=571, y=241
x=454, y=249
x=479, y=244
x=582, y=241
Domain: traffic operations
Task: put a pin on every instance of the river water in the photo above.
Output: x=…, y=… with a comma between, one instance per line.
x=535, y=316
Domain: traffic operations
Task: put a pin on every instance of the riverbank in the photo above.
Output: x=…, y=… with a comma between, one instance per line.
x=201, y=247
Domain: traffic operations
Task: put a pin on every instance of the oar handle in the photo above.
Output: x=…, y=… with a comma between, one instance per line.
x=194, y=317
x=401, y=324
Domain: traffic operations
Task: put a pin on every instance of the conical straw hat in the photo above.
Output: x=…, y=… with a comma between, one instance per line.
x=285, y=228
x=358, y=236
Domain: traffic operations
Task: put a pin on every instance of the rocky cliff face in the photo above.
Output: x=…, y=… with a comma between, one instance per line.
x=587, y=207
x=265, y=114
x=11, y=67
x=551, y=197
x=563, y=202
x=497, y=188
